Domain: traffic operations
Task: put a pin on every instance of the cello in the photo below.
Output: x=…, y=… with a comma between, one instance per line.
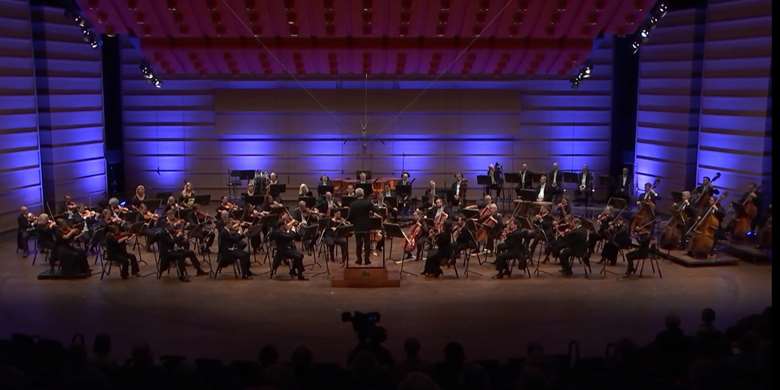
x=704, y=231
x=745, y=214
x=411, y=237
x=673, y=231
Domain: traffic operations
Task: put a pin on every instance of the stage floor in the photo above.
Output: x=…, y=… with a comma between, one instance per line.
x=232, y=319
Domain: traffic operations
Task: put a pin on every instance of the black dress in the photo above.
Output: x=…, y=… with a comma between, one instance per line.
x=73, y=261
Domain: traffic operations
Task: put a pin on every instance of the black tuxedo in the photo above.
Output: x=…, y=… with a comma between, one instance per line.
x=525, y=180
x=548, y=192
x=575, y=244
x=231, y=249
x=360, y=216
x=584, y=194
x=285, y=249
x=621, y=190
x=555, y=180
x=22, y=233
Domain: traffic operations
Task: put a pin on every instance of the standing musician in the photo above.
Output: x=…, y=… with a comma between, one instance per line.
x=323, y=184
x=685, y=212
x=23, y=227
x=332, y=238
x=585, y=187
x=116, y=251
x=747, y=207
x=701, y=194
x=362, y=178
x=403, y=192
x=544, y=191
x=187, y=197
x=494, y=182
x=525, y=178
x=429, y=195
x=622, y=185
x=250, y=190
x=260, y=182
x=327, y=204
x=458, y=191
x=649, y=196
x=303, y=192
x=360, y=212
x=574, y=244
x=443, y=252
x=272, y=179
x=138, y=198
x=716, y=211
x=556, y=181
x=284, y=236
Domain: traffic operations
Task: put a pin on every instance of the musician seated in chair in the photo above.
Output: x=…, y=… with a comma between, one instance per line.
x=23, y=227
x=327, y=205
x=116, y=251
x=462, y=237
x=585, y=188
x=511, y=248
x=443, y=253
x=284, y=237
x=574, y=244
x=73, y=260
x=643, y=237
x=616, y=237
x=332, y=239
x=231, y=245
x=544, y=192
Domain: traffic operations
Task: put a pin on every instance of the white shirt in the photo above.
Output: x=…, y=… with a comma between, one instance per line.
x=555, y=175
x=541, y=191
x=624, y=181
x=584, y=179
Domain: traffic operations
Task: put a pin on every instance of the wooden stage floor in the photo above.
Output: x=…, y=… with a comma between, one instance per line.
x=231, y=318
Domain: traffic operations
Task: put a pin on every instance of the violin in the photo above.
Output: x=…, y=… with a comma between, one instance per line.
x=509, y=228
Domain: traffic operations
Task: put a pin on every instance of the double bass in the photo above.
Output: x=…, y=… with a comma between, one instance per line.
x=701, y=199
x=704, y=230
x=646, y=211
x=673, y=231
x=745, y=214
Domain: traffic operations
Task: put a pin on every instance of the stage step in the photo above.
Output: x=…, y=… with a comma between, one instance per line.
x=365, y=277
x=681, y=257
x=748, y=252
x=57, y=275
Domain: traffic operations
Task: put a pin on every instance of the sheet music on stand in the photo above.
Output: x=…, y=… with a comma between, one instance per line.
x=321, y=189
x=276, y=189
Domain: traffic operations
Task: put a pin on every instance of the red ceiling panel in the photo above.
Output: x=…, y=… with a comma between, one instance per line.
x=347, y=38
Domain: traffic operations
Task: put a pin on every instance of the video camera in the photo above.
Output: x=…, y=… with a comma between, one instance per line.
x=364, y=324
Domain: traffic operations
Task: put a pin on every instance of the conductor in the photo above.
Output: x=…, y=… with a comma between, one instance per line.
x=360, y=212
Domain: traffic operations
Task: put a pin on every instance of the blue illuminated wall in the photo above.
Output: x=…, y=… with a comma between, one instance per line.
x=20, y=172
x=705, y=98
x=51, y=124
x=70, y=105
x=199, y=129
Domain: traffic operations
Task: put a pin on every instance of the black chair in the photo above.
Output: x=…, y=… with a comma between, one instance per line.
x=655, y=264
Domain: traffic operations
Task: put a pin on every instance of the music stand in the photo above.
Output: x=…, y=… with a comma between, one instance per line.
x=321, y=189
x=276, y=189
x=346, y=201
x=470, y=213
x=512, y=178
x=308, y=199
x=309, y=233
x=483, y=180
x=471, y=229
x=163, y=195
x=345, y=231
x=203, y=200
x=152, y=204
x=368, y=188
x=394, y=230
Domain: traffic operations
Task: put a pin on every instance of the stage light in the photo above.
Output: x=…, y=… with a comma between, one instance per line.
x=635, y=46
x=574, y=83
x=157, y=83
x=644, y=33
x=586, y=71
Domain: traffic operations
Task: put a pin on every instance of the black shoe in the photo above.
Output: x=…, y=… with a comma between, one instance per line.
x=301, y=277
x=184, y=279
x=368, y=262
x=500, y=275
x=125, y=276
x=247, y=277
x=201, y=273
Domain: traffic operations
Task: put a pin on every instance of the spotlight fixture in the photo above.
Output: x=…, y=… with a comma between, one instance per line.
x=584, y=73
x=656, y=14
x=89, y=34
x=148, y=73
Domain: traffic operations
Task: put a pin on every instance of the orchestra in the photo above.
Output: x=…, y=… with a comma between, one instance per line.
x=443, y=225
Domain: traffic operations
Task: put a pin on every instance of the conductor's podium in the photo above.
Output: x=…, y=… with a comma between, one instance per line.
x=365, y=277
